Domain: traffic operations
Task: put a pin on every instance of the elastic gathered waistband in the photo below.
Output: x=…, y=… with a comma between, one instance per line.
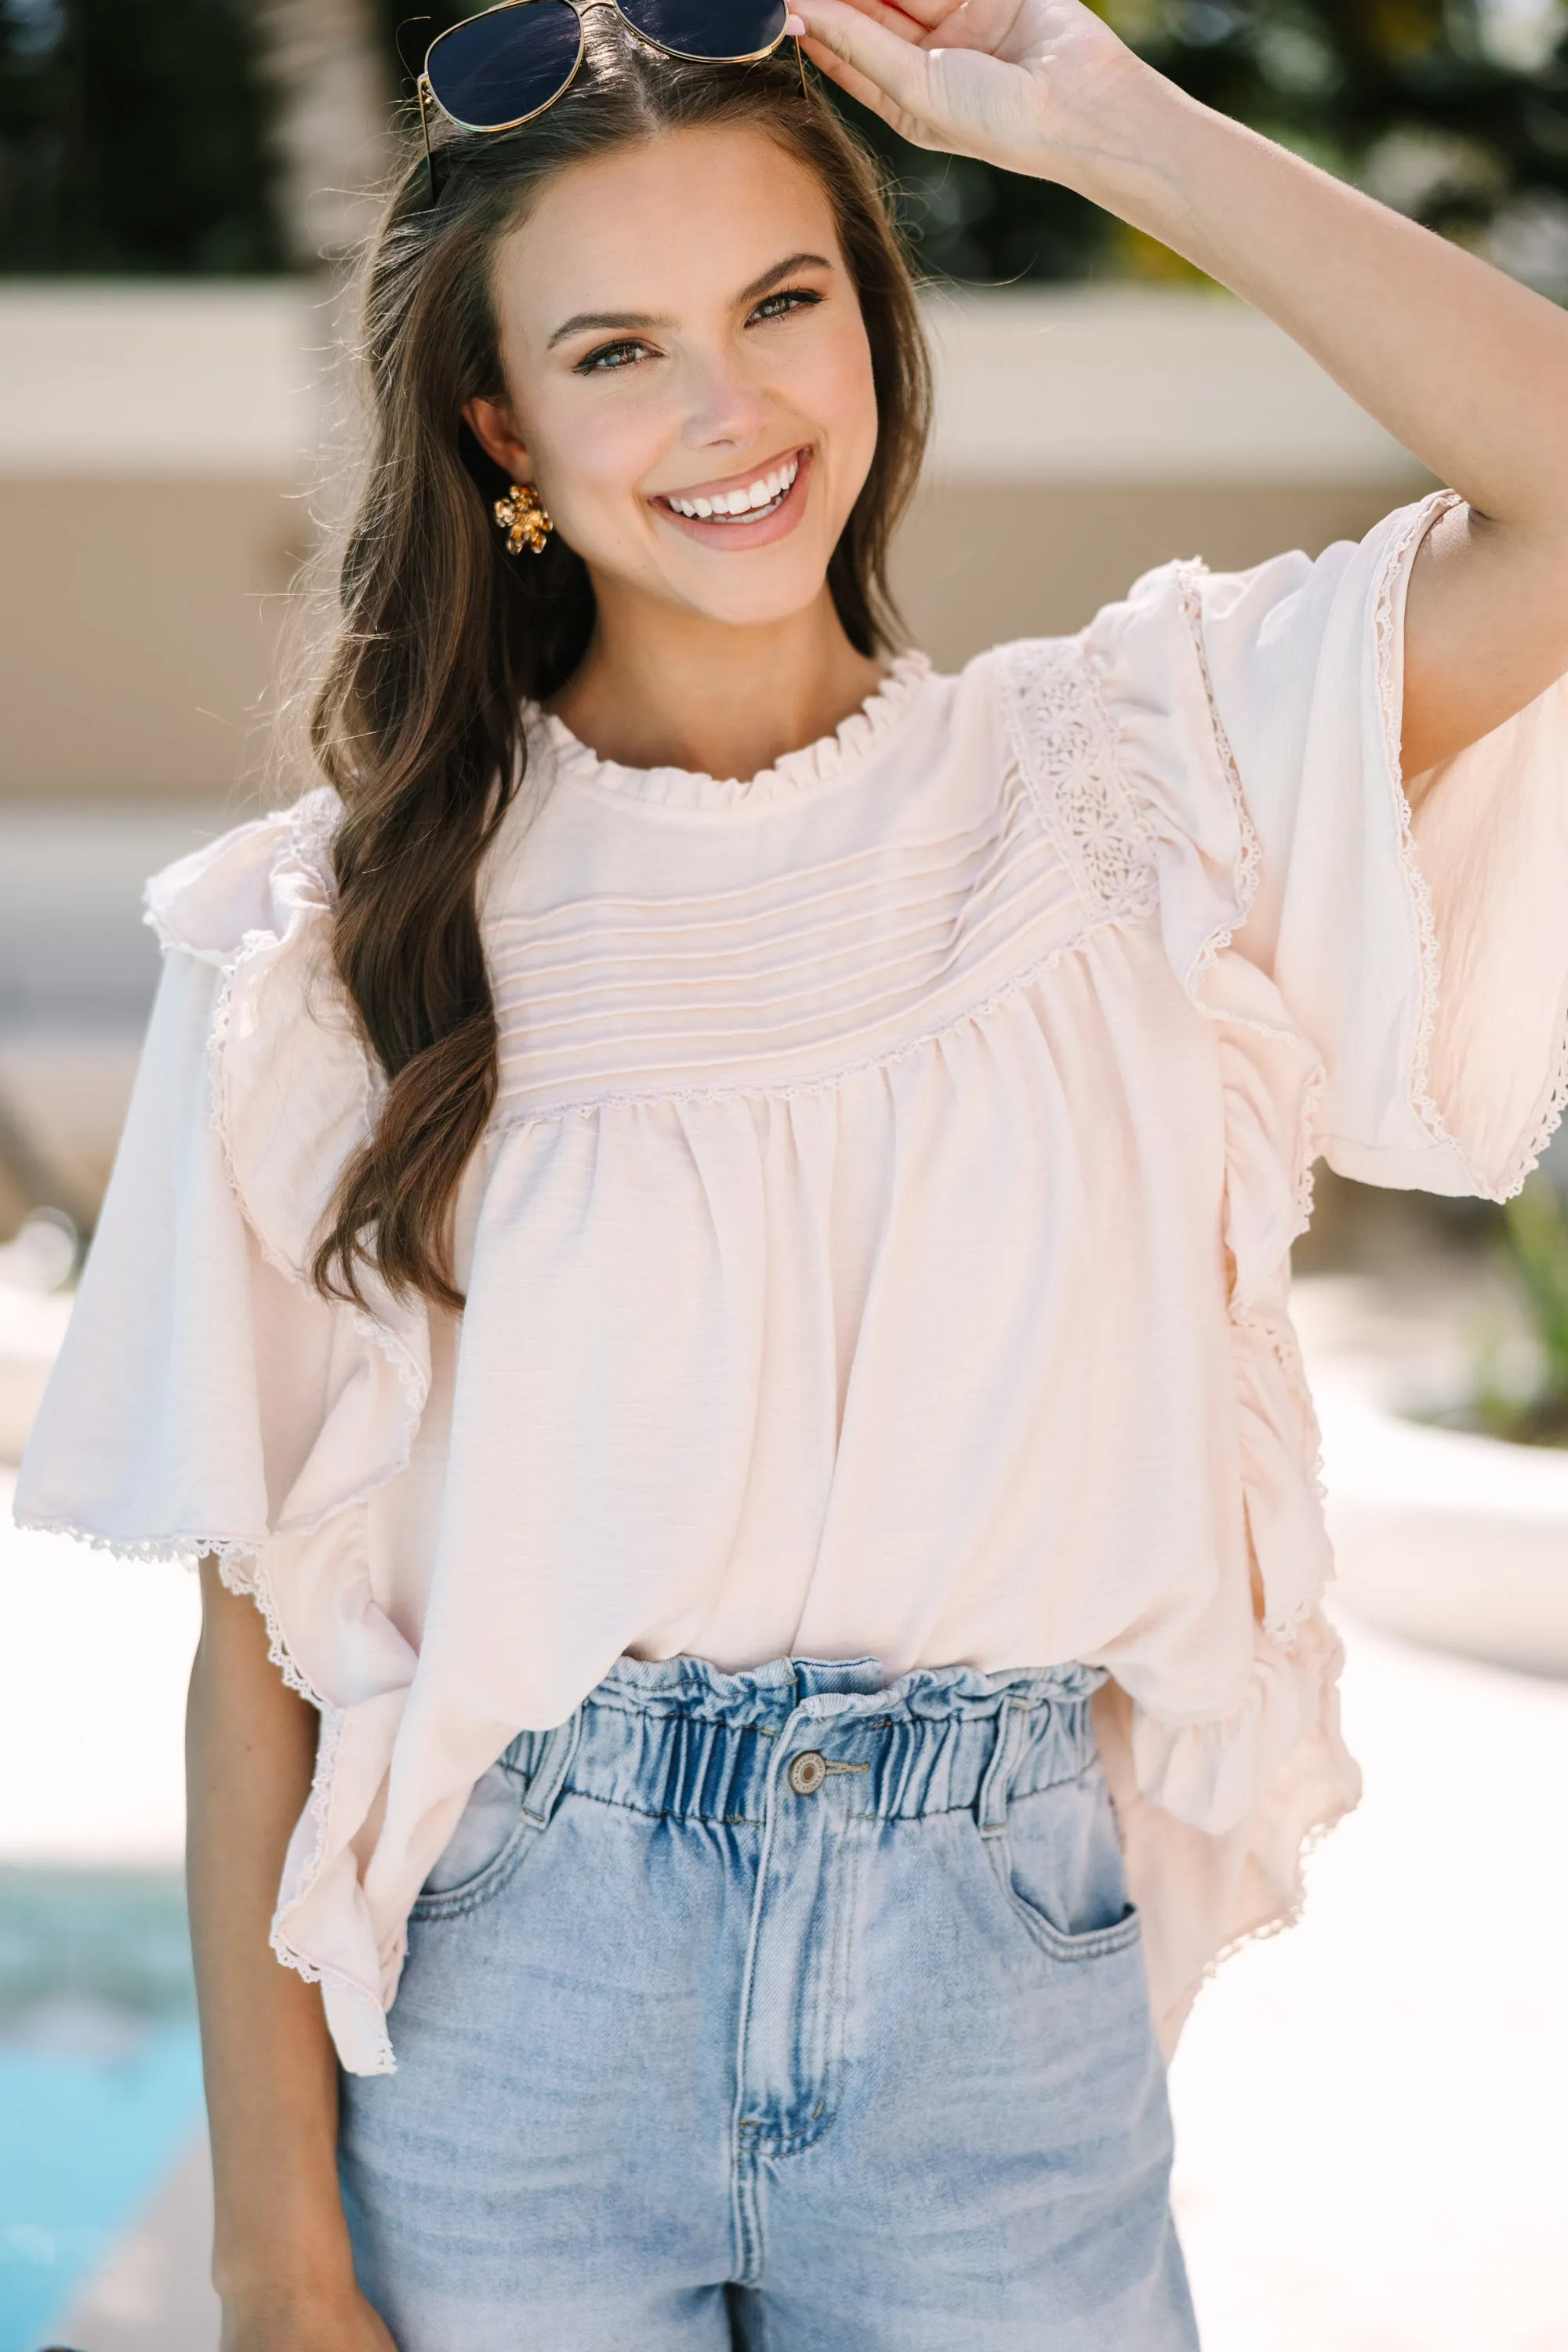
x=679, y=1738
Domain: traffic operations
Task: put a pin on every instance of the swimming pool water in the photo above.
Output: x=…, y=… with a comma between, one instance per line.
x=99, y=2074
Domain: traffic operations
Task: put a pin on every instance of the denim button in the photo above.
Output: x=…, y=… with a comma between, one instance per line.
x=807, y=1773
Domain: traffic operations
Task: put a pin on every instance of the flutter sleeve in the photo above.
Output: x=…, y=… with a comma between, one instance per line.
x=207, y=1398
x=1389, y=992
x=1425, y=957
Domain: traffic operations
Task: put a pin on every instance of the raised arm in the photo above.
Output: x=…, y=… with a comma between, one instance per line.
x=1466, y=368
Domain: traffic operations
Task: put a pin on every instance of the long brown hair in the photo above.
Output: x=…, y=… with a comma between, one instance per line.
x=441, y=637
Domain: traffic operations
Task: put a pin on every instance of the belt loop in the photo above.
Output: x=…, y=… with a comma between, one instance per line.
x=548, y=1774
x=991, y=1804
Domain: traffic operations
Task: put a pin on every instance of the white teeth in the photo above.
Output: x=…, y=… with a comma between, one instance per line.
x=766, y=491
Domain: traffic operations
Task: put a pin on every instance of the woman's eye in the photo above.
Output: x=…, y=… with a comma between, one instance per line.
x=788, y=298
x=611, y=355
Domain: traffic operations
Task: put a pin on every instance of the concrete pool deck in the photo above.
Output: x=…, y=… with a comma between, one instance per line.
x=1370, y=2110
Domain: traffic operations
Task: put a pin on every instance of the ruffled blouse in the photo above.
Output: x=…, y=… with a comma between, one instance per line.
x=881, y=1243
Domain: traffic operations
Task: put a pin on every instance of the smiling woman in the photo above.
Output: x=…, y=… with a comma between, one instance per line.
x=705, y=1229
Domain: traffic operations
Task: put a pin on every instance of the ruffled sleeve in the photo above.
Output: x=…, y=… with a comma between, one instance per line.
x=1425, y=961
x=1386, y=992
x=207, y=1398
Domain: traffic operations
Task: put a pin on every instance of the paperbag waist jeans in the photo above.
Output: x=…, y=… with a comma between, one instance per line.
x=779, y=2010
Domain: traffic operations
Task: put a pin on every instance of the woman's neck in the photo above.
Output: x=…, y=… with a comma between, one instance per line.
x=666, y=689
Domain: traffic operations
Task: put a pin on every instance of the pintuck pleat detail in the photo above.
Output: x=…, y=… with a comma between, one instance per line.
x=613, y=997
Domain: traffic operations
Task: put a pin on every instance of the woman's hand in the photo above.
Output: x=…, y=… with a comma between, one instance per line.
x=1464, y=367
x=1017, y=82
x=348, y=2326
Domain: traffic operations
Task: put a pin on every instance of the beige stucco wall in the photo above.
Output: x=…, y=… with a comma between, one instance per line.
x=977, y=563
x=138, y=621
x=138, y=626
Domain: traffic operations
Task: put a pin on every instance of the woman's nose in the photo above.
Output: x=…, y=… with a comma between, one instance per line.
x=726, y=409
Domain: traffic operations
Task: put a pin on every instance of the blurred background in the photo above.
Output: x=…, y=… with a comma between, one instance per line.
x=1373, y=2110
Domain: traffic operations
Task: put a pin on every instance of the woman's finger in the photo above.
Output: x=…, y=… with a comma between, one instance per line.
x=853, y=84
x=912, y=22
x=894, y=66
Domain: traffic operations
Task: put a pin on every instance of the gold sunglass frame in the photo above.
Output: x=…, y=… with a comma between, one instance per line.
x=428, y=99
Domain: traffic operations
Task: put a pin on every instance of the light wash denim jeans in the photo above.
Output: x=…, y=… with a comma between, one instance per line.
x=782, y=2010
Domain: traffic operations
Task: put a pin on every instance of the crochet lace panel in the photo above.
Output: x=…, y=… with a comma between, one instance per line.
x=1063, y=743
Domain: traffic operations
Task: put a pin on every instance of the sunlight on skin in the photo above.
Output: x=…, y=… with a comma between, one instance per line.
x=1468, y=370
x=718, y=644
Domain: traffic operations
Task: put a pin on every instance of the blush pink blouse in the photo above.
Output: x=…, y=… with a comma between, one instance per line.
x=880, y=1243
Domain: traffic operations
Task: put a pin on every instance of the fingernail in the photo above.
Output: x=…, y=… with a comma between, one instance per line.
x=795, y=24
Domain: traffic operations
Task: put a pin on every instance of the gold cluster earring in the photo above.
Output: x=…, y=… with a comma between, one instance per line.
x=522, y=517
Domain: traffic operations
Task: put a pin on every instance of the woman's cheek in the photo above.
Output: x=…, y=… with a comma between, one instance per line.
x=840, y=393
x=591, y=471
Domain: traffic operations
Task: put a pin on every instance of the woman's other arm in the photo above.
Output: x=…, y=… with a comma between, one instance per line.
x=1466, y=368
x=281, y=2260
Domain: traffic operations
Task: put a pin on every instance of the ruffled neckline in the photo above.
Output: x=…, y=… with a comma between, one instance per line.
x=815, y=764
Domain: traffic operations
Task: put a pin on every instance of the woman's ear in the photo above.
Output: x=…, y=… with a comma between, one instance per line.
x=491, y=425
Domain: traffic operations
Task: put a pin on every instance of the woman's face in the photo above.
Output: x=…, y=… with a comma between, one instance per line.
x=689, y=384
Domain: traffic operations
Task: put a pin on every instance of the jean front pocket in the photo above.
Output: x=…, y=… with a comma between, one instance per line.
x=1059, y=1864
x=482, y=1851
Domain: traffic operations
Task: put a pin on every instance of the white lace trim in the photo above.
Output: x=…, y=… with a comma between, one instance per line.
x=1249, y=856
x=1065, y=749
x=317, y=1810
x=1388, y=630
x=1287, y=1914
x=174, y=1552
x=1392, y=591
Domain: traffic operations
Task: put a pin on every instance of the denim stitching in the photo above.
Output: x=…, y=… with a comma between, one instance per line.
x=477, y=1890
x=668, y=1813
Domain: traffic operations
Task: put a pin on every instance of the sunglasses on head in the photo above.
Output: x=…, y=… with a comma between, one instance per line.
x=496, y=71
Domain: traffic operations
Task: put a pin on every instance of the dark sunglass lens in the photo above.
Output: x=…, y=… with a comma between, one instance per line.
x=500, y=67
x=708, y=28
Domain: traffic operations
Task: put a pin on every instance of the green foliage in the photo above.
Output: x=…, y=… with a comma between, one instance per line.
x=1537, y=1248
x=134, y=138
x=1419, y=101
x=135, y=135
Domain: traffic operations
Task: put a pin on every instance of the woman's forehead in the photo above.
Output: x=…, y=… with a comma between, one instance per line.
x=683, y=222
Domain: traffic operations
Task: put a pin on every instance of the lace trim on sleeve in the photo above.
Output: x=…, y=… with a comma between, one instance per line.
x=1064, y=747
x=1249, y=859
x=1388, y=631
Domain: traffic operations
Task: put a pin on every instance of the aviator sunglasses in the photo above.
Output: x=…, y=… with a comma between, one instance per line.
x=496, y=71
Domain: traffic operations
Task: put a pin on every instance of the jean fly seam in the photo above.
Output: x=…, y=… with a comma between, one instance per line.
x=745, y=2203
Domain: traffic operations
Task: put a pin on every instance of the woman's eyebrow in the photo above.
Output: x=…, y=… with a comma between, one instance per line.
x=784, y=269
x=620, y=319
x=628, y=321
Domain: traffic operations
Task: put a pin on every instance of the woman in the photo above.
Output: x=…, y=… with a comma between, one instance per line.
x=866, y=1115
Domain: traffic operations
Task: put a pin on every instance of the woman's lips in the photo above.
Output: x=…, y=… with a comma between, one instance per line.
x=756, y=527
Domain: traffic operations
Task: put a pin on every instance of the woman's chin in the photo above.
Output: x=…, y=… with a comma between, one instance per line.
x=752, y=594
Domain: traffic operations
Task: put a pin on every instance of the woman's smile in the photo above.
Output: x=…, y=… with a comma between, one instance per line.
x=750, y=509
